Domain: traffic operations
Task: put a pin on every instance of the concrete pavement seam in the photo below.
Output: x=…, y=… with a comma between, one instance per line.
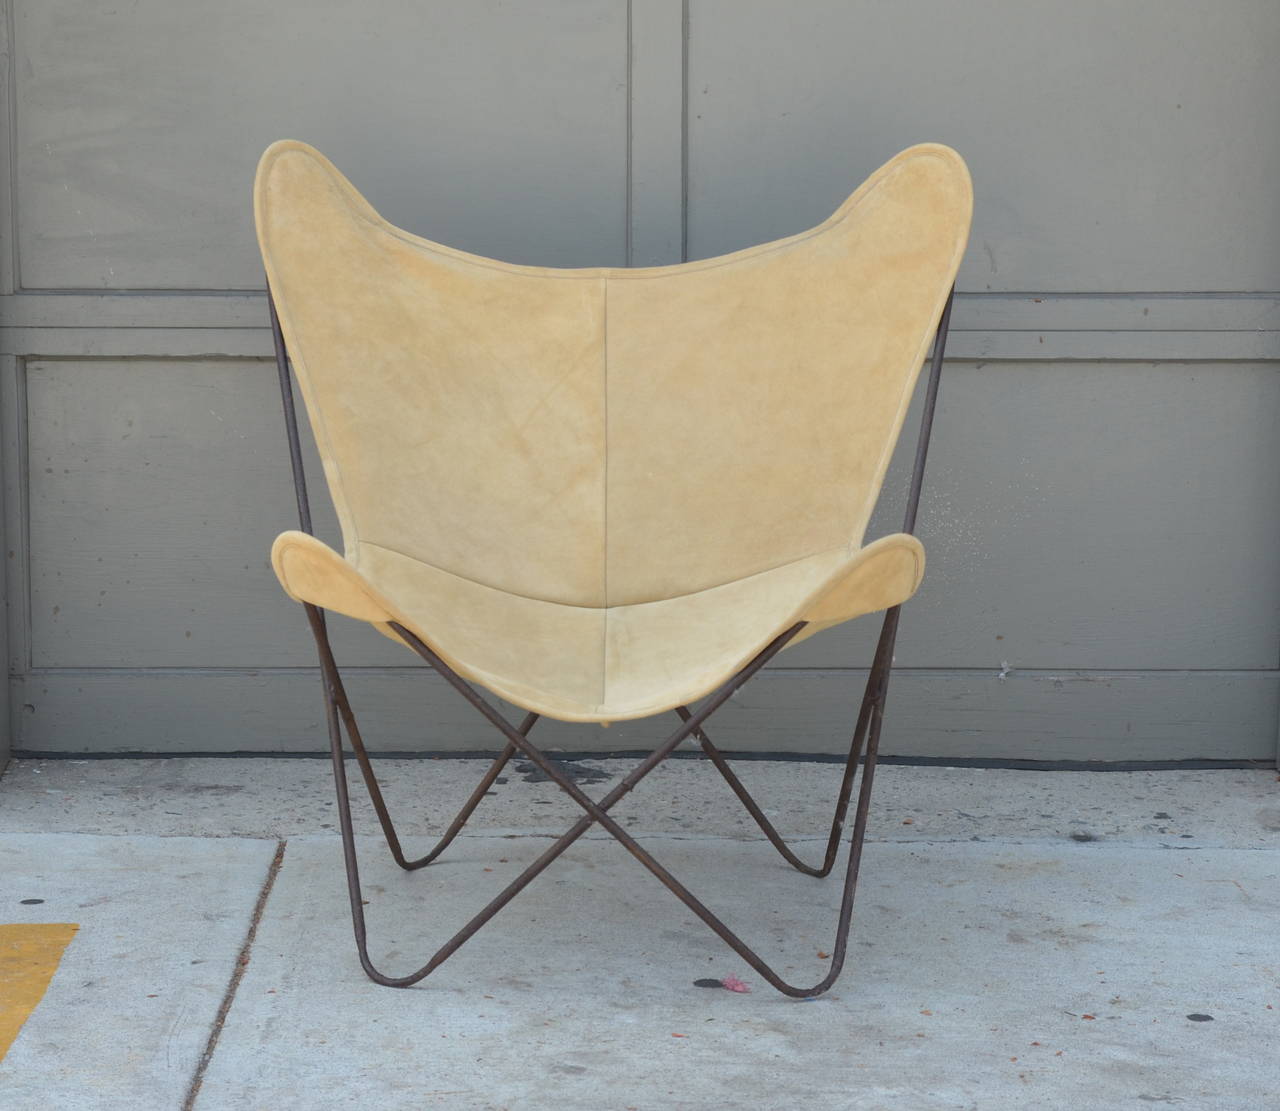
x=242, y=963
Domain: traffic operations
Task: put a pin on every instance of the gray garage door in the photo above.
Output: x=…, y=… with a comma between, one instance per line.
x=1100, y=510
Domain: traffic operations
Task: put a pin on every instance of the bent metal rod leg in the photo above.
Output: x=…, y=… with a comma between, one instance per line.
x=595, y=812
x=371, y=782
x=874, y=682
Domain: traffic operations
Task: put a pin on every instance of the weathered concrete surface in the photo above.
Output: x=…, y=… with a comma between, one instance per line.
x=283, y=798
x=982, y=976
x=987, y=921
x=128, y=1012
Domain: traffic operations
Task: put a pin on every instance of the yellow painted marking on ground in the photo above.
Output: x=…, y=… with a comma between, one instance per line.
x=29, y=956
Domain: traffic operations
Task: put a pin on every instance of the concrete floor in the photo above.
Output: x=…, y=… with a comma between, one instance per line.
x=1021, y=939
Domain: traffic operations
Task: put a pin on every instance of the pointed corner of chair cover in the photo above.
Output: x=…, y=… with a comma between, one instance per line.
x=945, y=164
x=948, y=162
x=291, y=163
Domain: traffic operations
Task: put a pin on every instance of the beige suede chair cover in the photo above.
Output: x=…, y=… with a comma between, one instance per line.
x=600, y=492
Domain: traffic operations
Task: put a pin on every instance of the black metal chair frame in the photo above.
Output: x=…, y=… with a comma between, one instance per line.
x=866, y=735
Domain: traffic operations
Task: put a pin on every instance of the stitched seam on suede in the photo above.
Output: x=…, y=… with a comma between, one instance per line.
x=475, y=582
x=575, y=605
x=604, y=370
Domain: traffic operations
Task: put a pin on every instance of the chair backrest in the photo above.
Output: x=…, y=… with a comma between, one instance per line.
x=609, y=436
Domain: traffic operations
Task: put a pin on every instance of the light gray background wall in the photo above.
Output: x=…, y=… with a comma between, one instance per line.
x=1100, y=504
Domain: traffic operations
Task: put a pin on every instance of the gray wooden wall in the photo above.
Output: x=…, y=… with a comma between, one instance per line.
x=1100, y=509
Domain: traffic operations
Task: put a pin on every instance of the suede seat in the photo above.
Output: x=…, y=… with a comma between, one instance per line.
x=590, y=663
x=600, y=492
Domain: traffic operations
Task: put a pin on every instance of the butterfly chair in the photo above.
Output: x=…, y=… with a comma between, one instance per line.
x=604, y=494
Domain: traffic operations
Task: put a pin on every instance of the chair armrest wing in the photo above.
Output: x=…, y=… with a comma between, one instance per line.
x=311, y=571
x=883, y=574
